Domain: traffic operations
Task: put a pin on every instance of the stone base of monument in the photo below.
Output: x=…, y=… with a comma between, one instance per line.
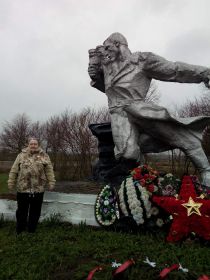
x=73, y=208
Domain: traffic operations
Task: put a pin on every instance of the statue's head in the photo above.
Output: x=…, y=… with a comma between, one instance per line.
x=113, y=47
x=117, y=39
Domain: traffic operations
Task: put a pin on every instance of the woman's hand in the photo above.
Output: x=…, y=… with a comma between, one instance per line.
x=51, y=187
x=10, y=188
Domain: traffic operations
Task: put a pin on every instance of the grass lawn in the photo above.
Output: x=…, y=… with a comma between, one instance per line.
x=3, y=183
x=62, y=251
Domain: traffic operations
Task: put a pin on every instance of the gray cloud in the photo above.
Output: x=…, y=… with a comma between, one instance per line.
x=192, y=46
x=44, y=49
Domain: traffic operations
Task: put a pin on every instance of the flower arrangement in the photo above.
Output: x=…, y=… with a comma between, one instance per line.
x=149, y=199
x=168, y=185
x=134, y=200
x=146, y=176
x=200, y=189
x=106, y=208
x=189, y=212
x=137, y=189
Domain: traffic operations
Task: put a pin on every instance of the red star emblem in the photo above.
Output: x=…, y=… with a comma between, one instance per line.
x=190, y=213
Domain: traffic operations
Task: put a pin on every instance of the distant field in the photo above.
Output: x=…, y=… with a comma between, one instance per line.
x=3, y=183
x=162, y=162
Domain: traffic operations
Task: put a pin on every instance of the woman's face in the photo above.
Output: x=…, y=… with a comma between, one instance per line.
x=33, y=145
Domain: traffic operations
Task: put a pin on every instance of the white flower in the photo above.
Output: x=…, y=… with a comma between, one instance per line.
x=138, y=203
x=115, y=264
x=169, y=175
x=138, y=219
x=153, y=264
x=141, y=221
x=183, y=269
x=123, y=208
x=155, y=188
x=144, y=197
x=136, y=211
x=148, y=215
x=159, y=222
x=106, y=202
x=134, y=204
x=154, y=211
x=132, y=200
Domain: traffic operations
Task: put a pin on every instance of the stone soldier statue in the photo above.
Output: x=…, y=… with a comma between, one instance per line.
x=137, y=126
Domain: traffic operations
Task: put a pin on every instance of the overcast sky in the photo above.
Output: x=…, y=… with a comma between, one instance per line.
x=44, y=48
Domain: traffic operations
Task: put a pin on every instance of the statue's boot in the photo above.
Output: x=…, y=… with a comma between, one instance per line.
x=201, y=162
x=122, y=168
x=205, y=177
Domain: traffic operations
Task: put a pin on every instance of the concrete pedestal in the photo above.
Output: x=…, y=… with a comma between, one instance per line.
x=74, y=208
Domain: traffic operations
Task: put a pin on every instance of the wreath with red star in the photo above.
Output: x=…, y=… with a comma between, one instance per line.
x=190, y=212
x=149, y=198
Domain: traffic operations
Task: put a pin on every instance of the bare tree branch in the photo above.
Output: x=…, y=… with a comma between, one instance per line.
x=15, y=133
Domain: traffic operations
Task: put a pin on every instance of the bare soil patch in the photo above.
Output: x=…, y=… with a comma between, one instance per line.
x=80, y=187
x=84, y=187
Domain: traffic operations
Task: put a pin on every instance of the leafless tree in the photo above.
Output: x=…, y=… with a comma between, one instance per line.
x=15, y=133
x=53, y=137
x=78, y=141
x=37, y=130
x=66, y=137
x=197, y=107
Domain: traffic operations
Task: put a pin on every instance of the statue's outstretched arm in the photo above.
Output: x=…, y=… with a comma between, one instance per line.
x=161, y=69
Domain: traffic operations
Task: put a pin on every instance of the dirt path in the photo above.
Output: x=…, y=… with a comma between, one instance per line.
x=84, y=187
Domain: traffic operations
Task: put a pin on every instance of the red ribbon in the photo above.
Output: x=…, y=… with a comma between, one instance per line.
x=123, y=267
x=167, y=270
x=131, y=262
x=92, y=272
x=203, y=277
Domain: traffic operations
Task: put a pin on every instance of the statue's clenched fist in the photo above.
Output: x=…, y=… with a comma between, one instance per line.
x=93, y=71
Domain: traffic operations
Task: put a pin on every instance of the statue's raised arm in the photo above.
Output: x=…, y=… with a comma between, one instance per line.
x=95, y=69
x=159, y=68
x=139, y=127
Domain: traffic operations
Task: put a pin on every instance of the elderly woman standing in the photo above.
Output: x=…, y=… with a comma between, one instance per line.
x=31, y=172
